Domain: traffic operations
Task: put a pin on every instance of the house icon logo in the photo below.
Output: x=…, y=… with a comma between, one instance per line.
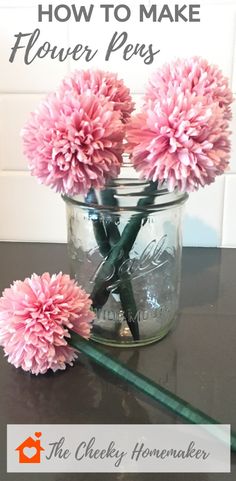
x=30, y=450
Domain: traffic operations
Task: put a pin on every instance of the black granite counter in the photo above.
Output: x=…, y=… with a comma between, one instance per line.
x=196, y=361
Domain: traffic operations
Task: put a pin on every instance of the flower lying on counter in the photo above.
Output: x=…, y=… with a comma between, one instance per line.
x=35, y=317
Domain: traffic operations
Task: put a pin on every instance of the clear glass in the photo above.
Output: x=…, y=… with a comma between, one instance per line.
x=125, y=245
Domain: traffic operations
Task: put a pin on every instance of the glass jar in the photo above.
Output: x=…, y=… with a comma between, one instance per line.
x=125, y=245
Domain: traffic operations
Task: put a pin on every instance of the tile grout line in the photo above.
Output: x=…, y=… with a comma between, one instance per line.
x=12, y=173
x=45, y=92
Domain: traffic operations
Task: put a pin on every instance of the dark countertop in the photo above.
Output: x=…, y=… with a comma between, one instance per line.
x=196, y=361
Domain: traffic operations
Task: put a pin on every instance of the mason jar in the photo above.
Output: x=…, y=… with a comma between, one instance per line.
x=125, y=245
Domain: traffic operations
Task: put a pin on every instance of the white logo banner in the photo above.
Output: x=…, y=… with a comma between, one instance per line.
x=118, y=448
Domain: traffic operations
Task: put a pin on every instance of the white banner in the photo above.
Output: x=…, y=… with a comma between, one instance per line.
x=118, y=448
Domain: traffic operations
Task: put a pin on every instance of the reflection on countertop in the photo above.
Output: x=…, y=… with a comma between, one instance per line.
x=196, y=361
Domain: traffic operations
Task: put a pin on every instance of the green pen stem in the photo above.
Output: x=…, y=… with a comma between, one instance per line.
x=107, y=236
x=109, y=200
x=121, y=250
x=125, y=289
x=145, y=385
x=98, y=226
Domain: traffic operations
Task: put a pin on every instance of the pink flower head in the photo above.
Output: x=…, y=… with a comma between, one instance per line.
x=192, y=75
x=105, y=84
x=35, y=316
x=74, y=142
x=182, y=135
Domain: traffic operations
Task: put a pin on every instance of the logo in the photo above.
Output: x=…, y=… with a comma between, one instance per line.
x=130, y=269
x=30, y=450
x=99, y=448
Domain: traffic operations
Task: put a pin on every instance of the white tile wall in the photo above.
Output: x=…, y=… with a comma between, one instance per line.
x=229, y=220
x=42, y=75
x=12, y=157
x=29, y=212
x=233, y=139
x=204, y=216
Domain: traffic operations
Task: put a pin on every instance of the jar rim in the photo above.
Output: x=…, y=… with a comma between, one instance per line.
x=161, y=198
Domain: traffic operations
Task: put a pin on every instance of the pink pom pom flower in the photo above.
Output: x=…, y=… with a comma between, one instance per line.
x=35, y=316
x=74, y=141
x=181, y=138
x=192, y=75
x=105, y=84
